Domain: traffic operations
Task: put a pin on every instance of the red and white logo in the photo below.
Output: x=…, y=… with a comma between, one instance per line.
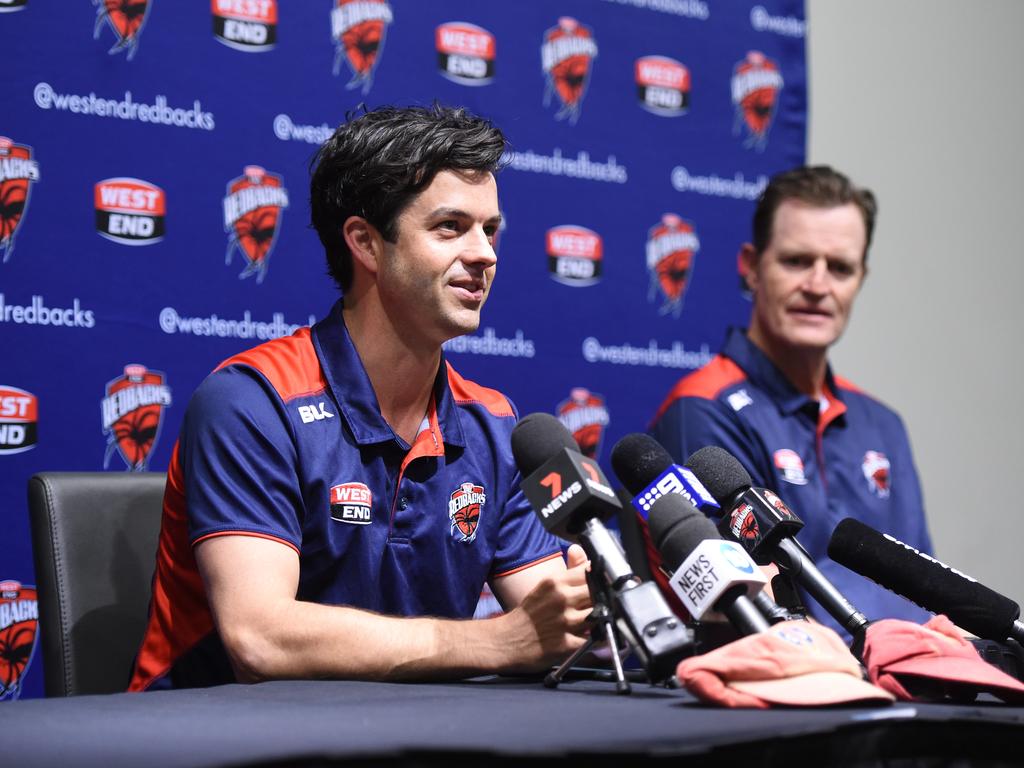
x=19, y=420
x=585, y=415
x=567, y=54
x=19, y=629
x=574, y=255
x=126, y=18
x=789, y=463
x=672, y=247
x=464, y=508
x=352, y=503
x=876, y=471
x=778, y=503
x=756, y=82
x=130, y=211
x=743, y=524
x=663, y=85
x=132, y=411
x=18, y=171
x=252, y=218
x=245, y=25
x=359, y=28
x=465, y=53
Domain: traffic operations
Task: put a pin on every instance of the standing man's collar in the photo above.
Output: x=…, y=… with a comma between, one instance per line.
x=351, y=387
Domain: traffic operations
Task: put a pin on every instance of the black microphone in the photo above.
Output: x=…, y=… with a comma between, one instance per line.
x=933, y=585
x=571, y=496
x=646, y=470
x=708, y=572
x=765, y=526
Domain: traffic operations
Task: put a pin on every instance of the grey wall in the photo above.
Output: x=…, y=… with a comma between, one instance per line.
x=922, y=102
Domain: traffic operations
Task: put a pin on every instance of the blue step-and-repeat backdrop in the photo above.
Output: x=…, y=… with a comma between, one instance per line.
x=154, y=208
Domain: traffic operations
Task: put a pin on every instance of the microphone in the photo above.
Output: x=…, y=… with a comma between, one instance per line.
x=571, y=496
x=933, y=585
x=647, y=471
x=765, y=526
x=709, y=573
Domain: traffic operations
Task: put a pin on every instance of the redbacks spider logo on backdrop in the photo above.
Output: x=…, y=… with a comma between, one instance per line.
x=126, y=18
x=584, y=414
x=245, y=25
x=19, y=629
x=132, y=409
x=756, y=82
x=567, y=55
x=252, y=218
x=359, y=28
x=18, y=172
x=672, y=247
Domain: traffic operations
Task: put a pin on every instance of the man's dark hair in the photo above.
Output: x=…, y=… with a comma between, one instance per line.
x=376, y=163
x=817, y=185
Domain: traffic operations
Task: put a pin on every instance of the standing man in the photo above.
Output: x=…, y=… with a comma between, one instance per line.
x=828, y=449
x=337, y=498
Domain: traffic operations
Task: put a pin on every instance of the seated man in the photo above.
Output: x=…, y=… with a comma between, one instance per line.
x=337, y=498
x=828, y=449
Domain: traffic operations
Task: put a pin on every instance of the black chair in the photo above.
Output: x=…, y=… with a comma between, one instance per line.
x=94, y=538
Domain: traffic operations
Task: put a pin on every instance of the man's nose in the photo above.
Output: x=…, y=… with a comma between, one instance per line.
x=478, y=249
x=816, y=279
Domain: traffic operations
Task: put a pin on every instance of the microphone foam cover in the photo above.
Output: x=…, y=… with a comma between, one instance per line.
x=677, y=527
x=536, y=438
x=637, y=460
x=720, y=472
x=928, y=583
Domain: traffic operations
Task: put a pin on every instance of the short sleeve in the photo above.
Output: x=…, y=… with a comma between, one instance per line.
x=239, y=460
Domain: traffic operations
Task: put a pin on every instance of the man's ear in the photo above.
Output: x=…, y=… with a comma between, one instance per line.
x=746, y=265
x=364, y=242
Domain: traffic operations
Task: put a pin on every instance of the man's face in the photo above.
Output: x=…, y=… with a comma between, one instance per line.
x=806, y=280
x=435, y=279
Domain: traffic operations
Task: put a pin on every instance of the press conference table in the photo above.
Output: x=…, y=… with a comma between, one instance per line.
x=493, y=720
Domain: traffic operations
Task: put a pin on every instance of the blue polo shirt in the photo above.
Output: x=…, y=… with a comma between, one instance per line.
x=845, y=456
x=286, y=442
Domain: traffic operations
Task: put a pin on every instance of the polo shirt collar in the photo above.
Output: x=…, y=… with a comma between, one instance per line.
x=763, y=373
x=349, y=383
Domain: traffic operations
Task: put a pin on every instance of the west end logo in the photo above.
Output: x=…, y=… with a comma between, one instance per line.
x=18, y=172
x=352, y=503
x=672, y=247
x=130, y=211
x=662, y=85
x=245, y=25
x=252, y=218
x=465, y=53
x=756, y=82
x=19, y=420
x=575, y=255
x=125, y=19
x=359, y=28
x=19, y=629
x=584, y=414
x=566, y=55
x=132, y=411
x=464, y=507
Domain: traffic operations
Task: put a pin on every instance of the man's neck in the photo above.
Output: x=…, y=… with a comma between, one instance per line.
x=401, y=371
x=804, y=368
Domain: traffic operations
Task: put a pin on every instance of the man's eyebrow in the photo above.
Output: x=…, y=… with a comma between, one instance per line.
x=458, y=213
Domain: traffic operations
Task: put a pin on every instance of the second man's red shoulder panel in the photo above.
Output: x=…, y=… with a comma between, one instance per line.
x=289, y=363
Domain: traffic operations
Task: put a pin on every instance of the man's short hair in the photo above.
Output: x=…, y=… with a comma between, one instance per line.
x=817, y=185
x=376, y=163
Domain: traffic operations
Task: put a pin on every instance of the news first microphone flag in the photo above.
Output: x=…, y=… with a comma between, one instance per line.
x=154, y=206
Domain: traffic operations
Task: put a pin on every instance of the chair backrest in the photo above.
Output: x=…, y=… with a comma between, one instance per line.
x=94, y=538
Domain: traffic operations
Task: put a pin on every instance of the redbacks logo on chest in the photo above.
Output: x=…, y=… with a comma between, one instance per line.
x=464, y=508
x=125, y=19
x=756, y=82
x=132, y=413
x=19, y=626
x=130, y=211
x=359, y=28
x=876, y=471
x=252, y=218
x=584, y=414
x=18, y=171
x=352, y=503
x=245, y=25
x=566, y=56
x=672, y=247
